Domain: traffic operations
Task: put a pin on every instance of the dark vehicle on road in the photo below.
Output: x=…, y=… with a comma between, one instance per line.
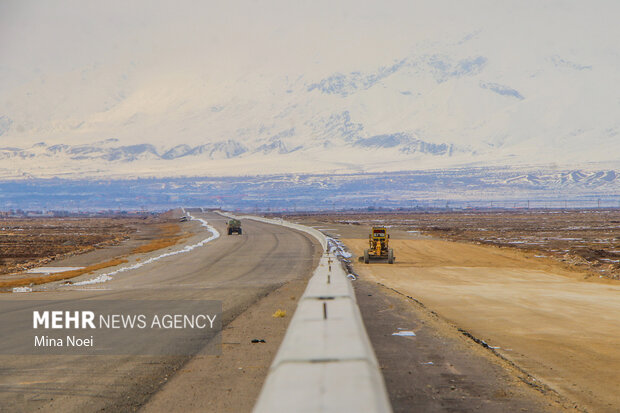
x=234, y=226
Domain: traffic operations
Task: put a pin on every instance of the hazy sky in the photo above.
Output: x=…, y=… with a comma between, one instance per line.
x=222, y=36
x=229, y=37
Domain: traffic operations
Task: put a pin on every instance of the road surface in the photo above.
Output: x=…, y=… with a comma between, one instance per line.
x=238, y=270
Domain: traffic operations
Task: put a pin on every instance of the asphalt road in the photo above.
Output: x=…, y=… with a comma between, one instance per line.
x=238, y=270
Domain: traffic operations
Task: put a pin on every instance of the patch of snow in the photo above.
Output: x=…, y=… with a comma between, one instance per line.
x=404, y=333
x=337, y=248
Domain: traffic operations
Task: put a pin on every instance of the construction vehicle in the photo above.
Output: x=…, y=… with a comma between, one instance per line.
x=379, y=243
x=234, y=225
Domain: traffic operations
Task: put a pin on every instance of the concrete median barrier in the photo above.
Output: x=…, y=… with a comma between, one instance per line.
x=325, y=362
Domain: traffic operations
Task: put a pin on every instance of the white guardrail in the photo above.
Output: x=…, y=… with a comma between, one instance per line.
x=325, y=362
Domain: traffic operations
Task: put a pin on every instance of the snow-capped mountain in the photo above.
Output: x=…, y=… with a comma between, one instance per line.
x=453, y=188
x=330, y=88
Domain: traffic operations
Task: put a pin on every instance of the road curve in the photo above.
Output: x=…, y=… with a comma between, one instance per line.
x=238, y=270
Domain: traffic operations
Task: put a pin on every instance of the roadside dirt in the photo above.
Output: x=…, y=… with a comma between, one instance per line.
x=439, y=369
x=169, y=235
x=547, y=320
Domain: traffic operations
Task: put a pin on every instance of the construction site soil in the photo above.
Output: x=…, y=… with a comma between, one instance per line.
x=588, y=240
x=538, y=290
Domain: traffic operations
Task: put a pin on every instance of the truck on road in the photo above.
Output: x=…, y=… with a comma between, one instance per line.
x=234, y=226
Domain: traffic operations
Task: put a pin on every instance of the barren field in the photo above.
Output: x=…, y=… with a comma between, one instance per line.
x=29, y=243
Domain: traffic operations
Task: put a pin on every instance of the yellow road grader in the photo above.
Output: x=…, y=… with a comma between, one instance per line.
x=379, y=246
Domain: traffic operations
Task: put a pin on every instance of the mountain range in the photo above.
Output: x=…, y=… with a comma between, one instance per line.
x=443, y=85
x=453, y=188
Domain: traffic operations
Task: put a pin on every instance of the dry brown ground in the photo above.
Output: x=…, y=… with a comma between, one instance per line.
x=170, y=234
x=30, y=243
x=551, y=322
x=588, y=240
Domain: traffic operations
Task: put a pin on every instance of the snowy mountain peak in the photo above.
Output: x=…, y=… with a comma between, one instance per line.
x=344, y=87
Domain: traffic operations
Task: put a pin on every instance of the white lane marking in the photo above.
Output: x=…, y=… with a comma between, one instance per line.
x=108, y=276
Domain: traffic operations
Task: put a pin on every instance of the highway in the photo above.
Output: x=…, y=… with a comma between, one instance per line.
x=238, y=270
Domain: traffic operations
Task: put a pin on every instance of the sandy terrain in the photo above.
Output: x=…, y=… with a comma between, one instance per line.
x=558, y=327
